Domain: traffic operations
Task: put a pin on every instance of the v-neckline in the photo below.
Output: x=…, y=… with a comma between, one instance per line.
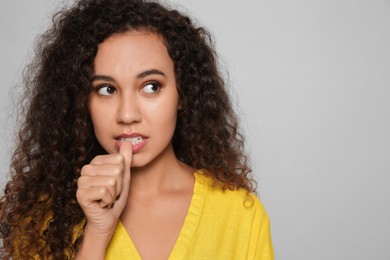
x=189, y=226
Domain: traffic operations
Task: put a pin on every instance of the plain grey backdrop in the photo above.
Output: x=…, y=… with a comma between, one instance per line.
x=312, y=83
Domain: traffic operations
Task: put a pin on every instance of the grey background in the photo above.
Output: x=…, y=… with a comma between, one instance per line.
x=312, y=80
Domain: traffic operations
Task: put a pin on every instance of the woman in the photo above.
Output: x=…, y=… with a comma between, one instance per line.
x=132, y=144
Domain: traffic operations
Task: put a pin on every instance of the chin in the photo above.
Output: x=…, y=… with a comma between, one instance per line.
x=138, y=162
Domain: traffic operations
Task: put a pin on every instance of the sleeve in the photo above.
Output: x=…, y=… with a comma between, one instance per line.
x=261, y=247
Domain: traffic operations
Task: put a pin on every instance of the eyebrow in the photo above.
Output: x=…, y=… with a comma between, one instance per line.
x=102, y=78
x=139, y=76
x=150, y=72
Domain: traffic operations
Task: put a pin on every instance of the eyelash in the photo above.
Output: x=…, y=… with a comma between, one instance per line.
x=100, y=87
x=153, y=83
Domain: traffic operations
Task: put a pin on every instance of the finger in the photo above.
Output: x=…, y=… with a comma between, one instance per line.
x=89, y=196
x=107, y=159
x=114, y=171
x=109, y=182
x=102, y=170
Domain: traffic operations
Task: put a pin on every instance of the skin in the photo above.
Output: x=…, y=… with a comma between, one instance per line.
x=135, y=95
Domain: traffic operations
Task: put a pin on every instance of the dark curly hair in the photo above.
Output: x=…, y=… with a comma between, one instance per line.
x=39, y=210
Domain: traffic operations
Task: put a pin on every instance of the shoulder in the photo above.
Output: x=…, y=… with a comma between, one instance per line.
x=235, y=214
x=237, y=201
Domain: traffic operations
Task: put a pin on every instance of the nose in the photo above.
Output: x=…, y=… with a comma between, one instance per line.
x=128, y=110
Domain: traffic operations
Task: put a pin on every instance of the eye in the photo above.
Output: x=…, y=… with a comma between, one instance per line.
x=151, y=87
x=106, y=90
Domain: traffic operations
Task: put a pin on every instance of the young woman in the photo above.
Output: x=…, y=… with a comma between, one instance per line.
x=130, y=148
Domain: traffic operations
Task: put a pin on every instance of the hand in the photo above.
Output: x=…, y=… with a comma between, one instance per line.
x=103, y=189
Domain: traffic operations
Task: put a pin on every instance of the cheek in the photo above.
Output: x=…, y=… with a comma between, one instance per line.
x=164, y=113
x=93, y=112
x=99, y=114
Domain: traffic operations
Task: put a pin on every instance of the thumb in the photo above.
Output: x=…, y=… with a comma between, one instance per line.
x=126, y=150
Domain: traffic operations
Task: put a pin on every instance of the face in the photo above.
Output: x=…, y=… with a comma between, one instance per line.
x=134, y=95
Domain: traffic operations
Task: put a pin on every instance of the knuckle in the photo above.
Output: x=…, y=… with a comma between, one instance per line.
x=79, y=195
x=81, y=181
x=117, y=171
x=86, y=170
x=111, y=182
x=119, y=158
x=103, y=191
x=97, y=159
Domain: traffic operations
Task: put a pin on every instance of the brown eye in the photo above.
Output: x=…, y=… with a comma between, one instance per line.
x=151, y=87
x=106, y=90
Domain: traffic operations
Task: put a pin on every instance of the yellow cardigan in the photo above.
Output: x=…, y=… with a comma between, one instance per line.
x=219, y=225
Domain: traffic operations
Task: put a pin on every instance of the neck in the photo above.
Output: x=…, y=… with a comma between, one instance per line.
x=165, y=172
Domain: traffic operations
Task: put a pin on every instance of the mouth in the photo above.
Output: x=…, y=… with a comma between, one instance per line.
x=133, y=140
x=137, y=140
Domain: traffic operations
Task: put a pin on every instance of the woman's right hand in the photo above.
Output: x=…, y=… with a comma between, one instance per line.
x=102, y=193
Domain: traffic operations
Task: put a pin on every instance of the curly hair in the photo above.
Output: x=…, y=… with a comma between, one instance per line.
x=39, y=210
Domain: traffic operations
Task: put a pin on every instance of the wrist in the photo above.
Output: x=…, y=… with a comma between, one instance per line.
x=94, y=244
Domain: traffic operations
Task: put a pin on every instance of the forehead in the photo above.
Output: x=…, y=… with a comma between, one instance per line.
x=133, y=48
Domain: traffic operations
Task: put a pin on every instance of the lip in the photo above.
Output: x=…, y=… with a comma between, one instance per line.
x=137, y=147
